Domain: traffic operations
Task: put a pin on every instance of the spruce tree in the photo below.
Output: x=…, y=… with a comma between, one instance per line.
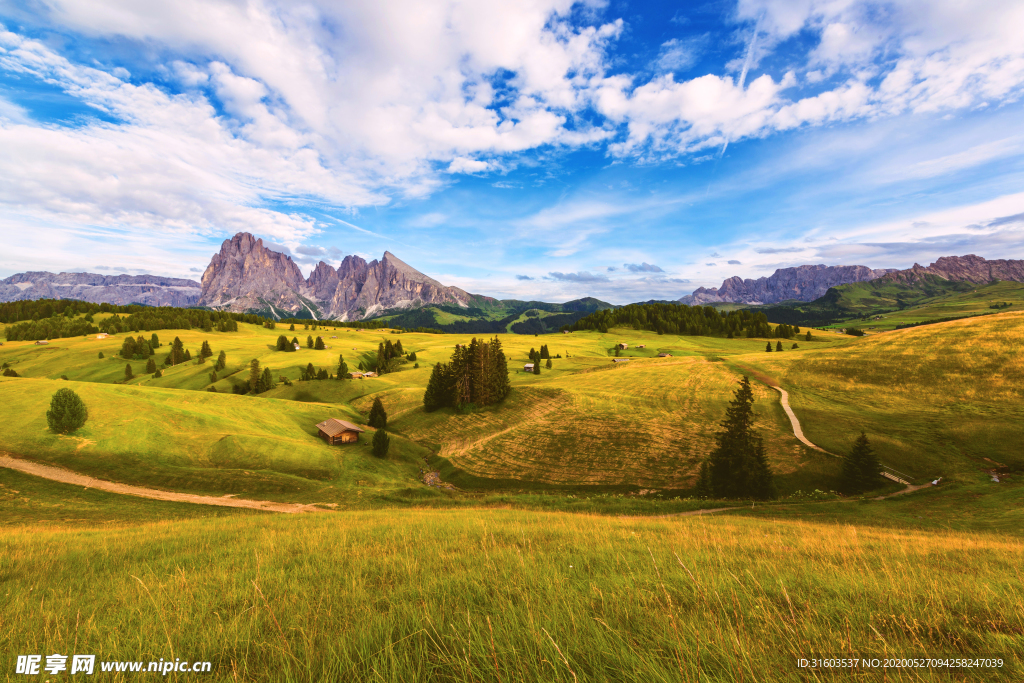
x=704, y=487
x=778, y=346
x=282, y=343
x=254, y=375
x=222, y=361
x=536, y=367
x=177, y=354
x=434, y=396
x=158, y=373
x=378, y=416
x=295, y=342
x=861, y=470
x=808, y=337
x=412, y=356
x=213, y=376
x=738, y=466
x=768, y=347
x=342, y=367
x=319, y=346
x=381, y=443
x=67, y=412
x=154, y=341
x=128, y=372
x=310, y=372
x=150, y=366
x=548, y=364
x=101, y=354
x=266, y=380
x=309, y=342
x=291, y=328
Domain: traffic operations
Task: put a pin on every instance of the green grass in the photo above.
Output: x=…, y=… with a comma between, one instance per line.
x=511, y=596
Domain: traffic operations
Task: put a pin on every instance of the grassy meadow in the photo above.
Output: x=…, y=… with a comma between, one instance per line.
x=512, y=596
x=547, y=564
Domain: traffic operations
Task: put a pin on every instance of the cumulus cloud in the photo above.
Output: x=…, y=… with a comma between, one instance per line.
x=523, y=277
x=195, y=270
x=642, y=268
x=735, y=263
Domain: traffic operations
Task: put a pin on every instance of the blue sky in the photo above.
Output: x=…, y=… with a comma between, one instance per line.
x=539, y=149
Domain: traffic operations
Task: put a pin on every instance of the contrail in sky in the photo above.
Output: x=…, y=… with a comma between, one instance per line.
x=743, y=73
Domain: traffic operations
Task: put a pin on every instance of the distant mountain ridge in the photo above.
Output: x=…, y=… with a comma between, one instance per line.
x=969, y=268
x=246, y=275
x=803, y=283
x=151, y=290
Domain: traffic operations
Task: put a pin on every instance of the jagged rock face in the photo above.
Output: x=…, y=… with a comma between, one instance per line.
x=968, y=268
x=246, y=275
x=121, y=290
x=803, y=283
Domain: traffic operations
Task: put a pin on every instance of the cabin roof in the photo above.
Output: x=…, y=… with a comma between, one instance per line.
x=333, y=426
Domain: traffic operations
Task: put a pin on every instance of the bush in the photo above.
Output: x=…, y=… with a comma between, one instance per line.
x=10, y=373
x=854, y=332
x=795, y=346
x=381, y=443
x=64, y=377
x=67, y=412
x=158, y=373
x=101, y=354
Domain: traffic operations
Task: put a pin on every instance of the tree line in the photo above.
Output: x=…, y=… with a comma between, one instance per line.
x=476, y=375
x=677, y=319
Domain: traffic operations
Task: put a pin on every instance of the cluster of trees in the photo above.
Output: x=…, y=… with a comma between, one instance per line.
x=543, y=354
x=260, y=379
x=310, y=373
x=477, y=374
x=139, y=348
x=284, y=345
x=677, y=319
x=738, y=466
x=388, y=355
x=378, y=419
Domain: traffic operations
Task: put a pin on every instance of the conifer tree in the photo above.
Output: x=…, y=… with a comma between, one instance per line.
x=101, y=354
x=310, y=372
x=808, y=337
x=128, y=372
x=188, y=355
x=213, y=376
x=67, y=412
x=861, y=470
x=309, y=342
x=342, y=367
x=398, y=348
x=319, y=346
x=291, y=328
x=154, y=342
x=412, y=356
x=266, y=381
x=704, y=487
x=282, y=343
x=536, y=367
x=295, y=342
x=738, y=466
x=768, y=347
x=548, y=364
x=150, y=366
x=222, y=361
x=177, y=354
x=158, y=373
x=381, y=443
x=378, y=416
x=205, y=351
x=778, y=346
x=254, y=375
x=435, y=395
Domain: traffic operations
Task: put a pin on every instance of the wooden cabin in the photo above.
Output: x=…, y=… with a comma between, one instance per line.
x=528, y=367
x=641, y=346
x=664, y=355
x=335, y=431
x=623, y=345
x=619, y=360
x=369, y=374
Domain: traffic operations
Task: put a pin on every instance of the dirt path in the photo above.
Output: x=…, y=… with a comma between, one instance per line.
x=797, y=429
x=69, y=477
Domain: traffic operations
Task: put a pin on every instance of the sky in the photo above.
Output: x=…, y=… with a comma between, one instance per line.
x=537, y=149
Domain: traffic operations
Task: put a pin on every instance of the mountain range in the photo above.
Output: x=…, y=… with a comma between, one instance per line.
x=247, y=276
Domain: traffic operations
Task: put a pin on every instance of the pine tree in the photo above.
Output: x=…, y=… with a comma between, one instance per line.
x=548, y=364
x=67, y=412
x=412, y=356
x=342, y=367
x=177, y=354
x=536, y=367
x=150, y=366
x=282, y=344
x=381, y=443
x=154, y=342
x=378, y=416
x=808, y=337
x=768, y=347
x=291, y=328
x=205, y=351
x=795, y=346
x=128, y=372
x=704, y=487
x=101, y=354
x=319, y=346
x=310, y=372
x=254, y=376
x=266, y=381
x=861, y=470
x=128, y=347
x=295, y=342
x=188, y=355
x=213, y=376
x=778, y=346
x=158, y=373
x=398, y=348
x=309, y=342
x=222, y=361
x=738, y=466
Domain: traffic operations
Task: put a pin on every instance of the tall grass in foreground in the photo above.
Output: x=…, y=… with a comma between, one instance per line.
x=510, y=596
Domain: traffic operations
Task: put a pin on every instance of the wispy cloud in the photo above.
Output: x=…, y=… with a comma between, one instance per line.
x=642, y=268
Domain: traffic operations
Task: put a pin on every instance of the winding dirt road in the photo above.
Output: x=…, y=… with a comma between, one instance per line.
x=69, y=477
x=797, y=430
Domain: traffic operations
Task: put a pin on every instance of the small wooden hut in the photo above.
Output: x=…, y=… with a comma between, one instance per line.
x=335, y=431
x=623, y=345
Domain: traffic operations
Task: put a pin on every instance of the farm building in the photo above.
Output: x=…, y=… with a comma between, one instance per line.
x=641, y=346
x=42, y=341
x=664, y=355
x=298, y=346
x=335, y=431
x=356, y=375
x=369, y=374
x=623, y=345
x=528, y=367
x=102, y=335
x=619, y=360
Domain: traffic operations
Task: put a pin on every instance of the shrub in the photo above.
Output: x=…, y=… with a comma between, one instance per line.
x=795, y=346
x=67, y=412
x=381, y=443
x=9, y=372
x=64, y=377
x=854, y=332
x=158, y=373
x=101, y=354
